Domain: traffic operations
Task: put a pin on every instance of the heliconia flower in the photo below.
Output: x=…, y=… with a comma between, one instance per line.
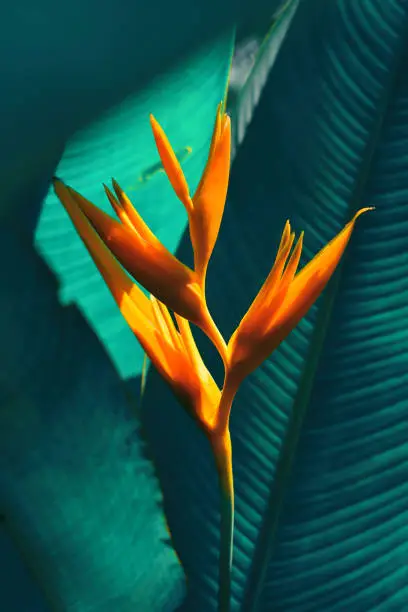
x=283, y=301
x=149, y=262
x=128, y=244
x=205, y=208
x=139, y=251
x=172, y=350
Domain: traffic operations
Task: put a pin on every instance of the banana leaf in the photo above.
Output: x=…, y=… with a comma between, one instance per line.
x=65, y=64
x=247, y=97
x=121, y=145
x=78, y=495
x=83, y=523
x=320, y=430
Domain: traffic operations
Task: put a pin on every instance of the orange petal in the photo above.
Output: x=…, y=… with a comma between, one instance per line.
x=155, y=268
x=118, y=208
x=207, y=403
x=161, y=323
x=135, y=219
x=209, y=199
x=133, y=303
x=251, y=323
x=214, y=140
x=147, y=334
x=312, y=279
x=292, y=265
x=189, y=342
x=165, y=324
x=171, y=164
x=288, y=306
x=272, y=284
x=152, y=326
x=174, y=335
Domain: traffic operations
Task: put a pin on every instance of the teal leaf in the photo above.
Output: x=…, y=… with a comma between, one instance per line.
x=122, y=146
x=320, y=430
x=18, y=591
x=66, y=64
x=248, y=96
x=78, y=496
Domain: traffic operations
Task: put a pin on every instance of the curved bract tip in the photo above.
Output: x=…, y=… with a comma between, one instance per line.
x=284, y=299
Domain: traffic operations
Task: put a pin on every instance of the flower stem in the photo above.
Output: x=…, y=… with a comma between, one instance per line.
x=221, y=443
x=211, y=330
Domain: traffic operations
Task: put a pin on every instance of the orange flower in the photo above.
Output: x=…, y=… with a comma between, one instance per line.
x=280, y=304
x=206, y=207
x=172, y=351
x=139, y=251
x=144, y=256
x=282, y=301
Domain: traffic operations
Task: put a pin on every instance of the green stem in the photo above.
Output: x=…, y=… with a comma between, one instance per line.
x=221, y=443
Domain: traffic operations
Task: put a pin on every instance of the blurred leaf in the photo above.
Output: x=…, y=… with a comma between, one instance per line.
x=18, y=591
x=320, y=431
x=122, y=145
x=248, y=96
x=78, y=496
x=65, y=63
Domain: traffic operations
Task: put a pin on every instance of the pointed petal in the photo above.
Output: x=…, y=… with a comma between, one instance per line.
x=189, y=342
x=117, y=208
x=161, y=324
x=155, y=268
x=148, y=336
x=207, y=403
x=250, y=345
x=171, y=164
x=165, y=324
x=173, y=364
x=292, y=265
x=288, y=306
x=285, y=237
x=253, y=321
x=273, y=282
x=312, y=279
x=133, y=303
x=151, y=327
x=175, y=336
x=209, y=199
x=135, y=219
x=276, y=270
x=214, y=141
x=103, y=258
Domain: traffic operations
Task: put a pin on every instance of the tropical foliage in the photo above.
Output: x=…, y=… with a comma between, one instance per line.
x=95, y=477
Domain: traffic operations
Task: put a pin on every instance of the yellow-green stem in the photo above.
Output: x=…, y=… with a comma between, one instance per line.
x=221, y=444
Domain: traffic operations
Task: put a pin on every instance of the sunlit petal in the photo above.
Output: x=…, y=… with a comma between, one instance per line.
x=209, y=199
x=135, y=219
x=311, y=281
x=262, y=302
x=153, y=266
x=123, y=216
x=214, y=140
x=174, y=334
x=171, y=164
x=208, y=406
x=283, y=301
x=134, y=305
x=293, y=262
x=173, y=354
x=160, y=321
